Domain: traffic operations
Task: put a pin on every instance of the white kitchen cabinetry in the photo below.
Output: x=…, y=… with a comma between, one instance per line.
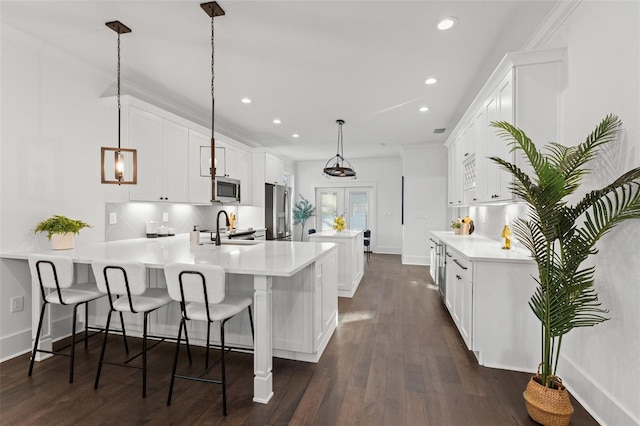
x=274, y=170
x=163, y=158
x=199, y=168
x=245, y=174
x=455, y=173
x=524, y=91
x=350, y=257
x=488, y=301
x=461, y=271
x=307, y=311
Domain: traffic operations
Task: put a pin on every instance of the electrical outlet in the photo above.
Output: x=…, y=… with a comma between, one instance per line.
x=165, y=217
x=17, y=304
x=113, y=218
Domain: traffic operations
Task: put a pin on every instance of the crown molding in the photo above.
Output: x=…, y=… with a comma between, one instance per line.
x=556, y=17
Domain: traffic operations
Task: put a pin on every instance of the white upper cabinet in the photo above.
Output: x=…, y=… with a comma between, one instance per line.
x=174, y=156
x=524, y=91
x=274, y=170
x=162, y=158
x=199, y=167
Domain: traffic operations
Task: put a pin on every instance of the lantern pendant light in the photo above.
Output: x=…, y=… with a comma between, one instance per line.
x=118, y=162
x=212, y=9
x=336, y=165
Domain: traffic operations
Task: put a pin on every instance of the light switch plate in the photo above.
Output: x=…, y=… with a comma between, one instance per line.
x=113, y=218
x=165, y=217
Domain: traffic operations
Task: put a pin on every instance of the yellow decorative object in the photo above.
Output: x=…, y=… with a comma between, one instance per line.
x=506, y=238
x=339, y=224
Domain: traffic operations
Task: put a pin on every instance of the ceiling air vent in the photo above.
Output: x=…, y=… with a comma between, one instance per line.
x=440, y=130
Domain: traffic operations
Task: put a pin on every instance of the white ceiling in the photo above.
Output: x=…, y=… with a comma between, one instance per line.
x=305, y=62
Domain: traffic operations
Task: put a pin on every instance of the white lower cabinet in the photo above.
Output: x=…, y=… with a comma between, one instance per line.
x=488, y=302
x=459, y=294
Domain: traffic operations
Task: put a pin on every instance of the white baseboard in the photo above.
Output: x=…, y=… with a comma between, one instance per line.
x=415, y=260
x=596, y=400
x=387, y=250
x=15, y=345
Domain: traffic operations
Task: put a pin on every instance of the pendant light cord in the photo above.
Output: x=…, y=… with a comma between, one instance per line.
x=213, y=99
x=118, y=73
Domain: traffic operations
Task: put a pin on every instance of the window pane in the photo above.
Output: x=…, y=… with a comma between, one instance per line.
x=358, y=210
x=329, y=209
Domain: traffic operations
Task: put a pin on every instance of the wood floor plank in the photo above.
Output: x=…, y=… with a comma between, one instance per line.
x=396, y=359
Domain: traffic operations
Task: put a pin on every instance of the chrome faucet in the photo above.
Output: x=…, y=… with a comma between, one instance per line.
x=218, y=225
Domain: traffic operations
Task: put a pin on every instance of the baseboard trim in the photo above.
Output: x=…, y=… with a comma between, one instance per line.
x=596, y=400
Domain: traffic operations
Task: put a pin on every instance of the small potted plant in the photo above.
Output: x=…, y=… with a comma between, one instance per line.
x=456, y=226
x=61, y=231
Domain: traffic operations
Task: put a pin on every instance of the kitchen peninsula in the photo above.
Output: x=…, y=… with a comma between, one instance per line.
x=293, y=286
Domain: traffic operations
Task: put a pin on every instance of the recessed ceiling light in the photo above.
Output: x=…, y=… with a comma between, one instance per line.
x=276, y=121
x=431, y=80
x=446, y=23
x=423, y=109
x=246, y=100
x=295, y=135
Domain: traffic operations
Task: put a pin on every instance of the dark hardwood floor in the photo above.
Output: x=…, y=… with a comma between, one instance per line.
x=395, y=359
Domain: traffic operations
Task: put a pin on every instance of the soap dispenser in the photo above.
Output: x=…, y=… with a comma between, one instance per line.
x=194, y=236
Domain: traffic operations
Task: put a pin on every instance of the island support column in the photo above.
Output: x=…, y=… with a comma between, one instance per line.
x=263, y=345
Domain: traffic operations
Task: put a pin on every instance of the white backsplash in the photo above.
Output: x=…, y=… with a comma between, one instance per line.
x=132, y=217
x=489, y=220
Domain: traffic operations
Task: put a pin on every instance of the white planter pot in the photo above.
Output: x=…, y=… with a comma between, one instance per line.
x=62, y=241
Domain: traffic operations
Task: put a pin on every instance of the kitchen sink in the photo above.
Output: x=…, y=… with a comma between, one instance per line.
x=227, y=241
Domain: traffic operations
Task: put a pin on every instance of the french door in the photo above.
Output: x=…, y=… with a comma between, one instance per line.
x=351, y=202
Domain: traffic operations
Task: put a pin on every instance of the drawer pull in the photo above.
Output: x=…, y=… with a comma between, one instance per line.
x=458, y=277
x=448, y=255
x=460, y=265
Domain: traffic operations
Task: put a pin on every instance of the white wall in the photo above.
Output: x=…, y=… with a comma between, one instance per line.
x=425, y=199
x=52, y=128
x=386, y=173
x=601, y=364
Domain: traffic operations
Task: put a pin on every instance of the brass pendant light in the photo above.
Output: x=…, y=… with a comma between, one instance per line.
x=335, y=166
x=121, y=163
x=212, y=9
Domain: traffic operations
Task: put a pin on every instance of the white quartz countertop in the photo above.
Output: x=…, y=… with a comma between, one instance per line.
x=476, y=247
x=332, y=233
x=271, y=258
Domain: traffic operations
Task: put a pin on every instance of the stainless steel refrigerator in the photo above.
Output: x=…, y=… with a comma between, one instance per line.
x=277, y=212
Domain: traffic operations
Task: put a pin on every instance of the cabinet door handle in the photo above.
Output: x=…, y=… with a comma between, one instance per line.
x=460, y=265
x=448, y=255
x=458, y=277
x=432, y=240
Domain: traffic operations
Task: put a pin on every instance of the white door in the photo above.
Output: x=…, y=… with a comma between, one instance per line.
x=330, y=204
x=358, y=205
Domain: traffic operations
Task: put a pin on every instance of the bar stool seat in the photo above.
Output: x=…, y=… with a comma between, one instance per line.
x=79, y=293
x=231, y=306
x=153, y=298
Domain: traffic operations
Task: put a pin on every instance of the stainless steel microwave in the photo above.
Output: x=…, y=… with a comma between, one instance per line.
x=226, y=190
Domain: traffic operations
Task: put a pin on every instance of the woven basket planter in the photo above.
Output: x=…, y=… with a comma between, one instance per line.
x=547, y=406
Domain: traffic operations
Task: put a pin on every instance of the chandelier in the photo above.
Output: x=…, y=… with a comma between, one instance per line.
x=338, y=166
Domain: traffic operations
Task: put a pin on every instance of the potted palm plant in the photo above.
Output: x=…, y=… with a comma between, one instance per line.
x=61, y=231
x=302, y=211
x=560, y=237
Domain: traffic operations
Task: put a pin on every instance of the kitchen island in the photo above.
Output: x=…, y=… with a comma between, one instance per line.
x=350, y=257
x=293, y=286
